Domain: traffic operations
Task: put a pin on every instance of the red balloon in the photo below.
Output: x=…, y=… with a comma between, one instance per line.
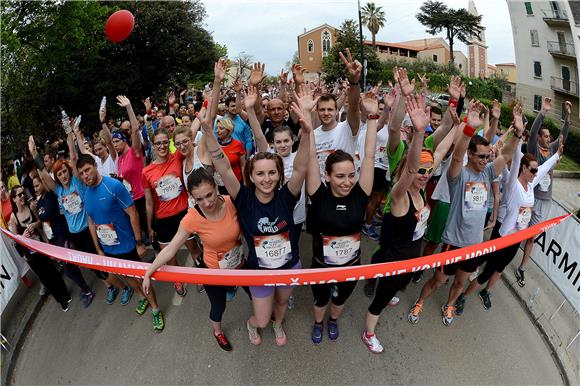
x=119, y=26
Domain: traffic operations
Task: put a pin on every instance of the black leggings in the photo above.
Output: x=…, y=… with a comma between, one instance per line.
x=72, y=271
x=497, y=262
x=83, y=242
x=217, y=297
x=142, y=212
x=43, y=267
x=323, y=292
x=387, y=287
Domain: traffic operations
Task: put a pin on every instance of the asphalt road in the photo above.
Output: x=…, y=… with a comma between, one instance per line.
x=113, y=345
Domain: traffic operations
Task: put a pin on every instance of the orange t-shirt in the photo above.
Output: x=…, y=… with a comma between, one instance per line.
x=6, y=211
x=167, y=187
x=222, y=245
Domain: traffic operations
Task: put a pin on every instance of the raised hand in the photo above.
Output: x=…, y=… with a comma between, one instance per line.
x=390, y=98
x=424, y=82
x=406, y=87
x=183, y=92
x=205, y=118
x=353, y=67
x=518, y=120
x=473, y=115
x=147, y=103
x=32, y=146
x=463, y=90
x=454, y=87
x=220, y=69
x=305, y=98
x=495, y=109
x=370, y=102
x=171, y=98
x=454, y=117
x=546, y=105
x=238, y=85
x=301, y=113
x=419, y=117
x=123, y=101
x=568, y=108
x=297, y=73
x=250, y=98
x=257, y=74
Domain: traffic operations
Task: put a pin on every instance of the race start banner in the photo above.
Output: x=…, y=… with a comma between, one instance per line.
x=282, y=277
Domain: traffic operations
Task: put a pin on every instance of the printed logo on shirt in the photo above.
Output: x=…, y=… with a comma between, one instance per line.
x=107, y=235
x=169, y=187
x=267, y=226
x=475, y=196
x=339, y=250
x=421, y=216
x=232, y=259
x=72, y=203
x=545, y=183
x=340, y=207
x=524, y=217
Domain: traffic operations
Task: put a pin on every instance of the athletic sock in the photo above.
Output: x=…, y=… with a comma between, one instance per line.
x=331, y=319
x=155, y=311
x=367, y=335
x=318, y=323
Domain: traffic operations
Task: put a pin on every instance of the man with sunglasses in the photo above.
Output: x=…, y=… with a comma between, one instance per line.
x=469, y=187
x=540, y=146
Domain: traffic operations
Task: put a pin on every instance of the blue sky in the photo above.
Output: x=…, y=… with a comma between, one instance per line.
x=267, y=29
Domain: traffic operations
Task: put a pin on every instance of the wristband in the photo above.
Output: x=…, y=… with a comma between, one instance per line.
x=352, y=84
x=517, y=136
x=373, y=116
x=38, y=162
x=465, y=119
x=453, y=102
x=148, y=112
x=469, y=131
x=171, y=105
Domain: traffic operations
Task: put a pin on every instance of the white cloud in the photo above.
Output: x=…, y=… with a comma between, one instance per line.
x=267, y=30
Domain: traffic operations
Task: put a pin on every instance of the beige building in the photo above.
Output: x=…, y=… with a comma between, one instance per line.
x=547, y=47
x=313, y=46
x=477, y=50
x=508, y=70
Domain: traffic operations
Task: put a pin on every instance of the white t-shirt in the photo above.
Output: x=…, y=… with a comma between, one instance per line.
x=381, y=159
x=108, y=167
x=327, y=142
x=300, y=208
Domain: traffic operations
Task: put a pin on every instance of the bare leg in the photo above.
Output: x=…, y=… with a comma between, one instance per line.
x=491, y=283
x=457, y=287
x=436, y=281
x=262, y=311
x=319, y=313
x=335, y=311
x=281, y=303
x=371, y=322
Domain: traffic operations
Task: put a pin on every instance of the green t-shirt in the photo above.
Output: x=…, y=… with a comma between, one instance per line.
x=428, y=142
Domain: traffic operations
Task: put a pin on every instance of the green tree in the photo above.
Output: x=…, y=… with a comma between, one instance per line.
x=457, y=23
x=374, y=18
x=347, y=37
x=55, y=55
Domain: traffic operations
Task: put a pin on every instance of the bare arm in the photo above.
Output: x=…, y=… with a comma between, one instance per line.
x=44, y=176
x=512, y=143
x=354, y=70
x=72, y=152
x=150, y=211
x=538, y=122
x=123, y=101
x=259, y=137
x=367, y=170
x=302, y=157
x=473, y=122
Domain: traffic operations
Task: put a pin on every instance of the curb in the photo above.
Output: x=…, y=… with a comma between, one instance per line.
x=566, y=174
x=542, y=331
x=9, y=358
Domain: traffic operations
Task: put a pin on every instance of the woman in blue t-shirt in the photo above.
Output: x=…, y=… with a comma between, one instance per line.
x=265, y=212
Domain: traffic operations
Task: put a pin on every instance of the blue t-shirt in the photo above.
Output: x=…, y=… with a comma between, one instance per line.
x=269, y=229
x=106, y=204
x=71, y=204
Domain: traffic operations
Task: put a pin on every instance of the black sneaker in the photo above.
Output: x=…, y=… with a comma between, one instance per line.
x=485, y=300
x=417, y=276
x=520, y=277
x=369, y=288
x=66, y=304
x=223, y=342
x=459, y=305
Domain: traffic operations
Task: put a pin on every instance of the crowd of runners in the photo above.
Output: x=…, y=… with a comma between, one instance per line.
x=236, y=174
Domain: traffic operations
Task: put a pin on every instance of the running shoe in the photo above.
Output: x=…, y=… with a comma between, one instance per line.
x=317, y=333
x=370, y=231
x=459, y=305
x=42, y=291
x=200, y=288
x=447, y=313
x=291, y=302
x=417, y=276
x=126, y=295
x=253, y=334
x=372, y=343
x=142, y=306
x=66, y=304
x=87, y=298
x=231, y=294
x=394, y=301
x=369, y=288
x=112, y=293
x=180, y=289
x=332, y=329
x=281, y=338
x=520, y=277
x=223, y=342
x=485, y=299
x=414, y=312
x=158, y=321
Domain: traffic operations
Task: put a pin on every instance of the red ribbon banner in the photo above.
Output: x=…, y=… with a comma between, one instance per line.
x=281, y=277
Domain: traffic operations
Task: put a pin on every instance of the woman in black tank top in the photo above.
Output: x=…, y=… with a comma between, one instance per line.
x=403, y=226
x=24, y=221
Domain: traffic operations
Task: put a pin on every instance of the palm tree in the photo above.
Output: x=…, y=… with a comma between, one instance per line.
x=374, y=18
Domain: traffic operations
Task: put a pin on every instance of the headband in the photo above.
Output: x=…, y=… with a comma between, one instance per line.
x=119, y=135
x=426, y=157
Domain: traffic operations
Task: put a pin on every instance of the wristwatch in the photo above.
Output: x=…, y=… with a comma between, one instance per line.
x=373, y=116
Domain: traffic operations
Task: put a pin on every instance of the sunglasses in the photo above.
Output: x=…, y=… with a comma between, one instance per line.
x=481, y=156
x=423, y=171
x=533, y=170
x=160, y=144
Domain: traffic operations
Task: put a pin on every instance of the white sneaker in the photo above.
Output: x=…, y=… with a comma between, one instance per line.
x=42, y=291
x=372, y=343
x=394, y=301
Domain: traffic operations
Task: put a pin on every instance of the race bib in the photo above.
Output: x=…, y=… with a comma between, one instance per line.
x=168, y=187
x=475, y=196
x=545, y=183
x=339, y=250
x=107, y=235
x=127, y=186
x=232, y=259
x=422, y=216
x=72, y=203
x=47, y=230
x=273, y=251
x=524, y=217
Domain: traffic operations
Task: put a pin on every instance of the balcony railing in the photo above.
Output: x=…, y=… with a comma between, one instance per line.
x=555, y=17
x=562, y=49
x=564, y=86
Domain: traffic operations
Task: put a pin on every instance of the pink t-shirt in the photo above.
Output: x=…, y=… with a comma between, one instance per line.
x=130, y=168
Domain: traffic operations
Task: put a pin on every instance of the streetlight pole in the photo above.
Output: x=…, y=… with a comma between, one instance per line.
x=362, y=52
